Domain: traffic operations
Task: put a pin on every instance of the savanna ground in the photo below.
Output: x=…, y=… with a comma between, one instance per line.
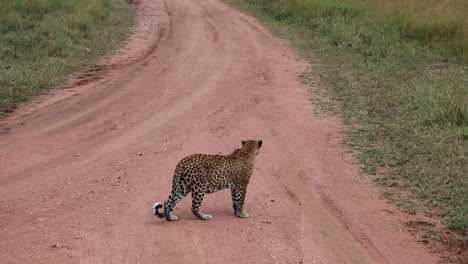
x=397, y=73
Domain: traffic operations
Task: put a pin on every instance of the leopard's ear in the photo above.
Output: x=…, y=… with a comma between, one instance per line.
x=243, y=142
x=260, y=142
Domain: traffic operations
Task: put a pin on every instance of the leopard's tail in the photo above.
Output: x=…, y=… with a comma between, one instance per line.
x=156, y=207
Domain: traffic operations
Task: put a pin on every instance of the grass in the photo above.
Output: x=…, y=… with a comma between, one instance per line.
x=439, y=23
x=397, y=73
x=42, y=42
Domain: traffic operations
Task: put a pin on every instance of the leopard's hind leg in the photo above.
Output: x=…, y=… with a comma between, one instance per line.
x=180, y=189
x=198, y=193
x=197, y=198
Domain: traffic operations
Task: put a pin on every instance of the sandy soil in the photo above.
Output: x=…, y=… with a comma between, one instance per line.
x=80, y=168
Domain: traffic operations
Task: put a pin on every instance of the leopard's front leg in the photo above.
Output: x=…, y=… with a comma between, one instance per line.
x=238, y=197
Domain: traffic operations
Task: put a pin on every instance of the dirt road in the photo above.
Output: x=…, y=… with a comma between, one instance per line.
x=81, y=168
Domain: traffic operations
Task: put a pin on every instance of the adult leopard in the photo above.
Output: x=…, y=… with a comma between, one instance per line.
x=201, y=174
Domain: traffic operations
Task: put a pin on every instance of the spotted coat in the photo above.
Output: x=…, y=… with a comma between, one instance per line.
x=201, y=174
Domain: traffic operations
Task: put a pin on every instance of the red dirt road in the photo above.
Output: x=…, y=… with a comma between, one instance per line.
x=81, y=168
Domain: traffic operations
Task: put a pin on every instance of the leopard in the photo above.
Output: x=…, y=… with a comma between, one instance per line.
x=202, y=174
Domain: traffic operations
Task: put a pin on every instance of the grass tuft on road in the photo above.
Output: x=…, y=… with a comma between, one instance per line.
x=397, y=72
x=42, y=42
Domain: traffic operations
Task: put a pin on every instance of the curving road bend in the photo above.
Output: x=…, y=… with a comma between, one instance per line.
x=81, y=168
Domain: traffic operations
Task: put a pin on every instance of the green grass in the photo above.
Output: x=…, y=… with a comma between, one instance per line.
x=439, y=23
x=42, y=42
x=397, y=73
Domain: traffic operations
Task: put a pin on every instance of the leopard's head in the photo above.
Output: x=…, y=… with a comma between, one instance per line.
x=252, y=146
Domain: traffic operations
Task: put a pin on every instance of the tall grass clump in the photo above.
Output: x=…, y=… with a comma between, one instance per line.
x=43, y=41
x=439, y=23
x=399, y=72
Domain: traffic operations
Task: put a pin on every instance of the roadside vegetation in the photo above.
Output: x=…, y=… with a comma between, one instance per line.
x=397, y=71
x=42, y=42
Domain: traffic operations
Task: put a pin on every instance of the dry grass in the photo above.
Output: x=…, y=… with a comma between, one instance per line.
x=438, y=22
